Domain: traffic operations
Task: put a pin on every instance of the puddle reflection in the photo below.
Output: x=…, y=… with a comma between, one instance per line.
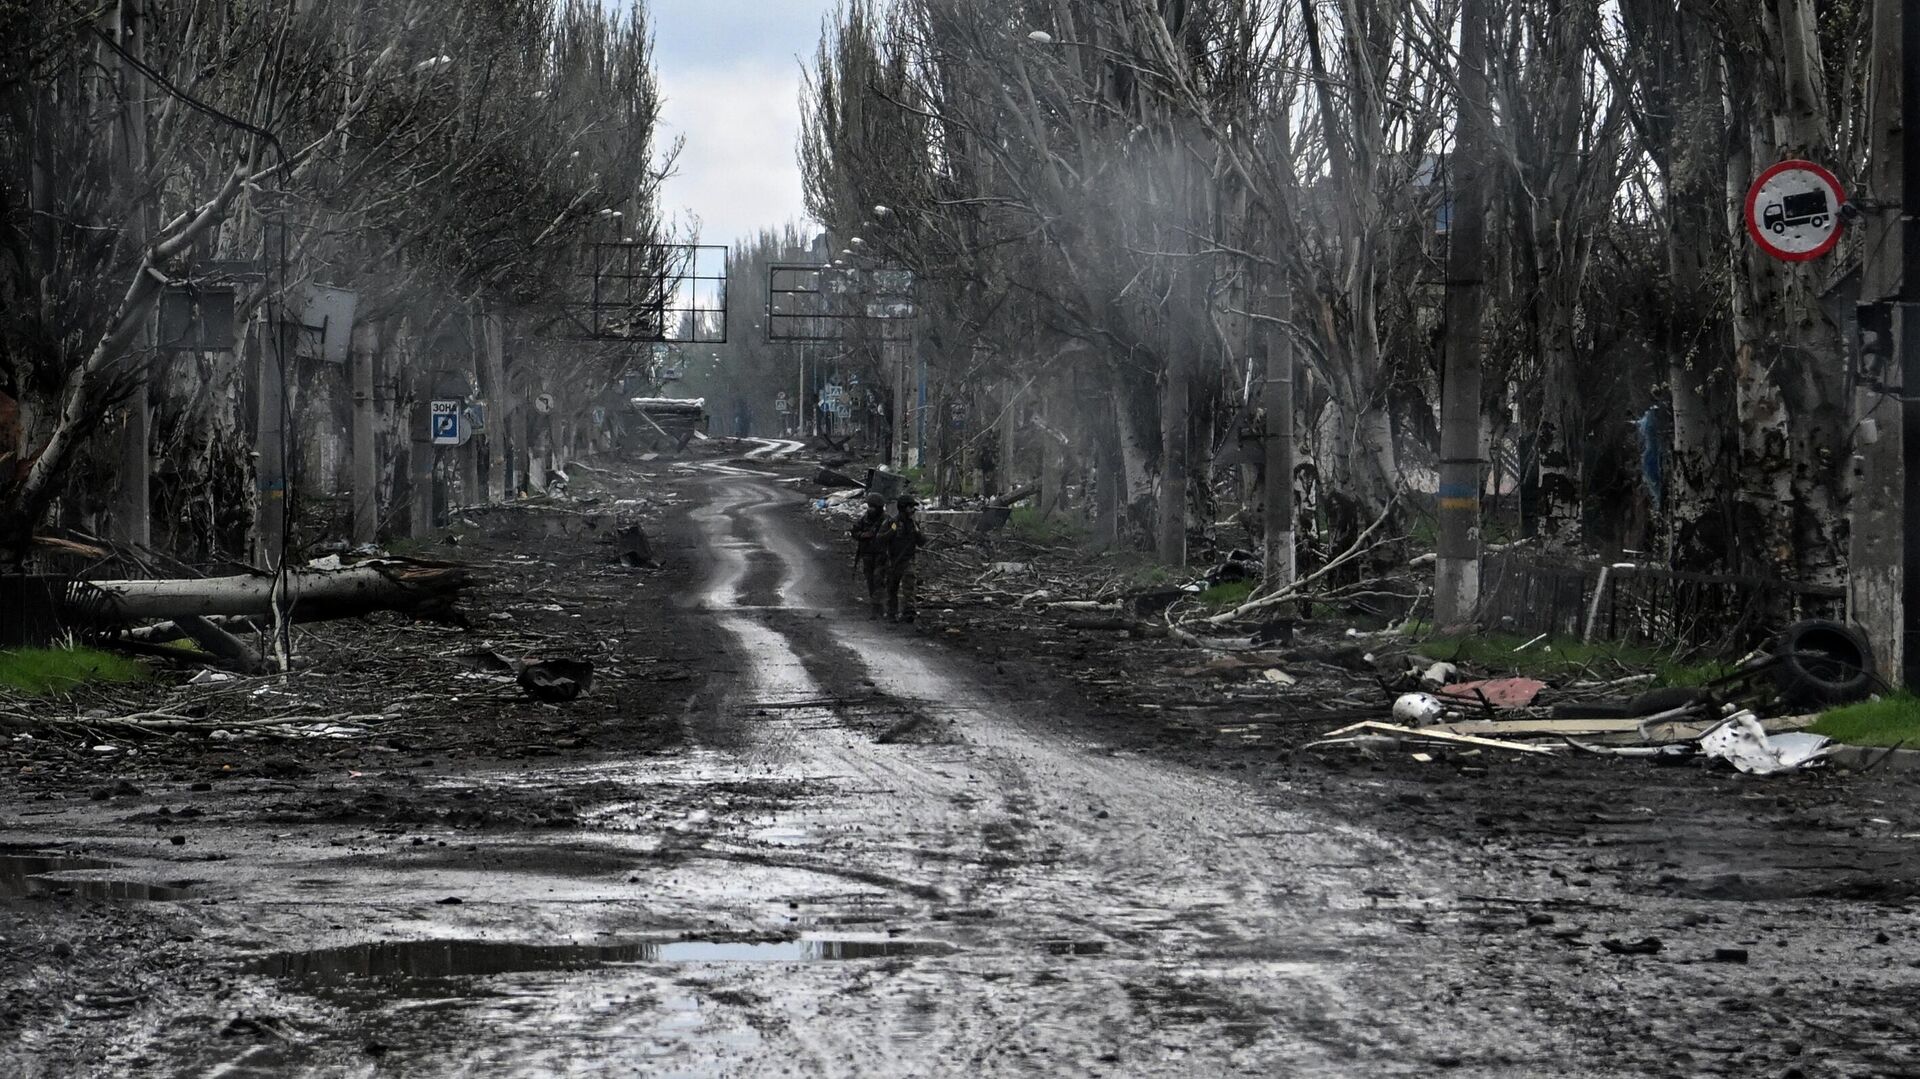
x=23, y=875
x=479, y=958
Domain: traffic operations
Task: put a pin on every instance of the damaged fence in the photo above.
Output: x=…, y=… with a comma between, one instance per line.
x=1530, y=594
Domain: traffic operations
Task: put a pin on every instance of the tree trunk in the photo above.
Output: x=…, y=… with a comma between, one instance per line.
x=1175, y=394
x=344, y=593
x=499, y=399
x=1277, y=440
x=1877, y=558
x=366, y=474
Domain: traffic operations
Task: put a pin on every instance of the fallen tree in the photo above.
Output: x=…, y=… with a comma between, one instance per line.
x=422, y=589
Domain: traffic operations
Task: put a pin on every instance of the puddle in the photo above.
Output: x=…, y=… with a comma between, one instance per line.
x=23, y=875
x=479, y=958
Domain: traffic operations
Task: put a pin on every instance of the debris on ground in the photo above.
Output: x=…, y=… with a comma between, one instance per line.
x=1742, y=742
x=1505, y=693
x=556, y=681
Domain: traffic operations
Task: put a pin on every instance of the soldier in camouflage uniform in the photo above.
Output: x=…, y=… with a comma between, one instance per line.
x=900, y=539
x=868, y=558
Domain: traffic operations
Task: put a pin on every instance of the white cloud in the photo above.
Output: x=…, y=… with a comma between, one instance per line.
x=737, y=171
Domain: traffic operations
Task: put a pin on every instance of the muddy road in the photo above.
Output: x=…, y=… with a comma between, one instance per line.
x=868, y=853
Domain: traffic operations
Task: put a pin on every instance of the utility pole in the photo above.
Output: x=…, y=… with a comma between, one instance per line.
x=1456, y=579
x=132, y=511
x=1277, y=398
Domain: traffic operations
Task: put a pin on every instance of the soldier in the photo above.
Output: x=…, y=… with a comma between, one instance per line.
x=867, y=556
x=899, y=540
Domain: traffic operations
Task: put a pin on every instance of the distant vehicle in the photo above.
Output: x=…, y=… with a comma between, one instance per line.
x=1805, y=208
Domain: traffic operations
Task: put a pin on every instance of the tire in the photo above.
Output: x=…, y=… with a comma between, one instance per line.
x=1822, y=662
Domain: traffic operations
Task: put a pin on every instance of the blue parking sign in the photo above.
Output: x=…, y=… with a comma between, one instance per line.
x=444, y=426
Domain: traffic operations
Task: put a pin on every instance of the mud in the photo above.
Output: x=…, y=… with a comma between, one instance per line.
x=783, y=839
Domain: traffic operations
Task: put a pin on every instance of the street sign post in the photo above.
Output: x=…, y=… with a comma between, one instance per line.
x=444, y=424
x=780, y=403
x=1793, y=211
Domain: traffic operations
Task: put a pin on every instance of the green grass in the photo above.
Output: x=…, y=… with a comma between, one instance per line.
x=40, y=671
x=1884, y=721
x=920, y=482
x=1501, y=653
x=1225, y=597
x=1026, y=523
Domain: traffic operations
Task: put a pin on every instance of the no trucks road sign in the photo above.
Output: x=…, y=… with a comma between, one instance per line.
x=1793, y=211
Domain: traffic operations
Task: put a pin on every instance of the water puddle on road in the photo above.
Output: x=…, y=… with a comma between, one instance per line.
x=480, y=958
x=23, y=875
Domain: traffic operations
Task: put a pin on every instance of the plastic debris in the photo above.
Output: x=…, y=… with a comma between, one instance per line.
x=1743, y=743
x=1419, y=709
x=1498, y=692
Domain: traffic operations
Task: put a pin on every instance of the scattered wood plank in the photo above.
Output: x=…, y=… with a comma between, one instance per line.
x=1435, y=734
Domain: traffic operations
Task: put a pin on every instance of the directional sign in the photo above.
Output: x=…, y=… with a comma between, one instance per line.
x=445, y=423
x=1793, y=211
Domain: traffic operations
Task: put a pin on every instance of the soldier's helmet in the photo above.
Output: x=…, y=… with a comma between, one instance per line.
x=876, y=501
x=906, y=502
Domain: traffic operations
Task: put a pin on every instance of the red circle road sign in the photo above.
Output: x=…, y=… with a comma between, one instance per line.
x=1793, y=211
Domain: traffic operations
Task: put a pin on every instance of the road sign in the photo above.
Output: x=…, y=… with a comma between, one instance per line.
x=1793, y=211
x=444, y=426
x=543, y=404
x=780, y=403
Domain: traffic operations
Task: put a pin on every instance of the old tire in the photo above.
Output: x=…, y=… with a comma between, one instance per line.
x=1822, y=662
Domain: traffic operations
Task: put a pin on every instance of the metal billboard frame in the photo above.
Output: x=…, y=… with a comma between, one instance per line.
x=652, y=293
x=810, y=302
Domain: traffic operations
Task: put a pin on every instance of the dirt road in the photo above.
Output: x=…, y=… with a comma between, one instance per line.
x=871, y=856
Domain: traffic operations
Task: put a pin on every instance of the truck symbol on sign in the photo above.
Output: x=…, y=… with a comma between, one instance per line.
x=1803, y=208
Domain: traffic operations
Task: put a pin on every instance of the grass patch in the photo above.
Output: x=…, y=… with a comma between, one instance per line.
x=1501, y=653
x=40, y=671
x=920, y=482
x=1029, y=525
x=1884, y=721
x=1226, y=596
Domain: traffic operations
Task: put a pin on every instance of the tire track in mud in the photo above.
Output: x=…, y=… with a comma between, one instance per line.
x=1141, y=874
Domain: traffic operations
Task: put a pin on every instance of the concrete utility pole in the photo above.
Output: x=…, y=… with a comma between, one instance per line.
x=1277, y=398
x=1881, y=537
x=132, y=509
x=1456, y=579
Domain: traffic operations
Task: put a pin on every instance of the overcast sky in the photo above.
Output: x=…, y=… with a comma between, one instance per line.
x=731, y=71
